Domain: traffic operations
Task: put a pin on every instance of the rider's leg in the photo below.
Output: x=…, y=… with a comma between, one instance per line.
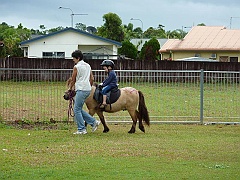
x=104, y=100
x=105, y=90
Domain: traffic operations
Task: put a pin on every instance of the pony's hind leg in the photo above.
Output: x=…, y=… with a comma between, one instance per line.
x=134, y=119
x=141, y=127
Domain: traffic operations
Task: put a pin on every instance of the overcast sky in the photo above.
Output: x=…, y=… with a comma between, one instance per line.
x=173, y=14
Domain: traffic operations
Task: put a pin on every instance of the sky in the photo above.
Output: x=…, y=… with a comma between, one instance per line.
x=173, y=14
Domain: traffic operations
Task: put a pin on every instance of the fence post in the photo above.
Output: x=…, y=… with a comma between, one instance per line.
x=201, y=95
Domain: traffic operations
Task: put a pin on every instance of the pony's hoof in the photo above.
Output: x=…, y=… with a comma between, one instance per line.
x=105, y=130
x=142, y=129
x=131, y=132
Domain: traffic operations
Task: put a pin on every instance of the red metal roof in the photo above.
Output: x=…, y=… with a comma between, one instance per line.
x=205, y=38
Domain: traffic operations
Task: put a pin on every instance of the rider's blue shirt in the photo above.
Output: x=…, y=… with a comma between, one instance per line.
x=111, y=80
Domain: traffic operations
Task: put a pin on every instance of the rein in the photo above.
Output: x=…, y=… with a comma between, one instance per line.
x=70, y=108
x=70, y=105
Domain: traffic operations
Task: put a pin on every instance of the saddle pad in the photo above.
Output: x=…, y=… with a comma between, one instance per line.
x=112, y=96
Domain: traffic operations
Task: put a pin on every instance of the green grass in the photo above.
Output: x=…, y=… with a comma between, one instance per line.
x=163, y=152
x=33, y=101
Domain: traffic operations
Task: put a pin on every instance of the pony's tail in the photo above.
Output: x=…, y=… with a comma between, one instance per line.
x=142, y=109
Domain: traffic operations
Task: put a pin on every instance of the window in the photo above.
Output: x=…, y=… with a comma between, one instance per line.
x=233, y=59
x=53, y=54
x=213, y=56
x=60, y=54
x=47, y=54
x=25, y=52
x=223, y=59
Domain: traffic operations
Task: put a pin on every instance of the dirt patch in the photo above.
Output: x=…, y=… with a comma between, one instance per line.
x=52, y=125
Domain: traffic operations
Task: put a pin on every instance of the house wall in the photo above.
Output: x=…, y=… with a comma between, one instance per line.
x=66, y=42
x=204, y=54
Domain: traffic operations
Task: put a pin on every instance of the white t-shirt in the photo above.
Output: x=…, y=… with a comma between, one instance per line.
x=83, y=75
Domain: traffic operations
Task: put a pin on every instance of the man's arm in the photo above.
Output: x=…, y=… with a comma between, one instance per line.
x=91, y=78
x=74, y=75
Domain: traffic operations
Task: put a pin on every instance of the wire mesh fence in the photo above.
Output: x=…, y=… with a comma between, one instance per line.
x=171, y=96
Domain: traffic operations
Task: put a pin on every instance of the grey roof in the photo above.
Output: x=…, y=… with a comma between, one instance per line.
x=75, y=30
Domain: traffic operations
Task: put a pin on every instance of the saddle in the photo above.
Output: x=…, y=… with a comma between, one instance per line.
x=112, y=96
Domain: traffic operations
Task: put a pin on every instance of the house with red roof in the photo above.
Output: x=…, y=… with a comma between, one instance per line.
x=207, y=42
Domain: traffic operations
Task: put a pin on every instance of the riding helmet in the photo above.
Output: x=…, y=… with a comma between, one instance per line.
x=107, y=62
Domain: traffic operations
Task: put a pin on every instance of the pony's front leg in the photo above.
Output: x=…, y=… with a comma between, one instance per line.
x=91, y=112
x=100, y=115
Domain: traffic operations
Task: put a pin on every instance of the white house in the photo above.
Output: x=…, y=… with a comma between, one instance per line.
x=62, y=43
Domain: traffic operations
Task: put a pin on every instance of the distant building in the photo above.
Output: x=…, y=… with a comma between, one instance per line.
x=211, y=42
x=62, y=43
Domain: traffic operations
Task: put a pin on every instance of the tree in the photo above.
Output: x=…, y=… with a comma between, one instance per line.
x=130, y=33
x=55, y=29
x=201, y=24
x=12, y=37
x=112, y=28
x=175, y=34
x=128, y=49
x=137, y=32
x=150, y=50
x=4, y=26
x=158, y=32
x=81, y=26
x=43, y=29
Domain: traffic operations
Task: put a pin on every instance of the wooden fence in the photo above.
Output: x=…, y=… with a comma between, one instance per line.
x=35, y=63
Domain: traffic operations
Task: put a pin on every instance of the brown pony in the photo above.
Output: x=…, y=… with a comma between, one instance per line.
x=131, y=100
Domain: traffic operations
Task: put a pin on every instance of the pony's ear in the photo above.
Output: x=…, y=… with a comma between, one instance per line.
x=95, y=84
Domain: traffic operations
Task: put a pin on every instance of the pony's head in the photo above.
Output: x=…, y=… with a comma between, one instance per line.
x=69, y=94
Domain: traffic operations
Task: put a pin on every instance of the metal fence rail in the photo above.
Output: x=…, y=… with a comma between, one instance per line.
x=171, y=96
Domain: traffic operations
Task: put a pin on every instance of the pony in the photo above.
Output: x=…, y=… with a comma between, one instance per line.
x=130, y=99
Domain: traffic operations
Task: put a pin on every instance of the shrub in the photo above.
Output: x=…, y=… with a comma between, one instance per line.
x=150, y=50
x=128, y=49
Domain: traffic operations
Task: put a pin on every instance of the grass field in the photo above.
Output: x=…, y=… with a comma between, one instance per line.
x=163, y=152
x=33, y=101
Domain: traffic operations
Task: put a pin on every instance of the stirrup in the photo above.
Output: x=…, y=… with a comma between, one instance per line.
x=102, y=106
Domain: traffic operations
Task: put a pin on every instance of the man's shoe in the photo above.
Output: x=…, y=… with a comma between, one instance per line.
x=95, y=125
x=81, y=132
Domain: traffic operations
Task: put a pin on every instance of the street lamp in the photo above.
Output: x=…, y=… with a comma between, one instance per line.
x=71, y=14
x=141, y=22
